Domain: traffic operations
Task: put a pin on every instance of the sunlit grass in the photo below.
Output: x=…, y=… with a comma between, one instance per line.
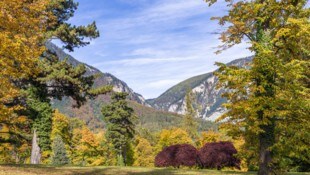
x=68, y=170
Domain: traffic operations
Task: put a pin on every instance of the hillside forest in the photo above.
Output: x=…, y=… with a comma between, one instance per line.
x=265, y=127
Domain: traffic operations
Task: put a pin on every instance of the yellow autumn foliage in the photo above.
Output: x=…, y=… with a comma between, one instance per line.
x=172, y=137
x=143, y=153
x=23, y=24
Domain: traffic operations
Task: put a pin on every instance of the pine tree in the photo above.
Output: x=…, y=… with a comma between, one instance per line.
x=30, y=75
x=40, y=112
x=262, y=100
x=120, y=127
x=55, y=78
x=59, y=154
x=189, y=122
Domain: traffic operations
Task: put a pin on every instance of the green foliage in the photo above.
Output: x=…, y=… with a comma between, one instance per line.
x=119, y=120
x=57, y=78
x=40, y=79
x=270, y=100
x=120, y=160
x=189, y=122
x=71, y=36
x=40, y=111
x=59, y=154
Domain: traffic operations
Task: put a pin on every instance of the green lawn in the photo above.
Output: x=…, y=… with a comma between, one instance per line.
x=48, y=170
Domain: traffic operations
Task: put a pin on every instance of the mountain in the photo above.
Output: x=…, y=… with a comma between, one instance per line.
x=90, y=112
x=103, y=79
x=208, y=98
x=148, y=117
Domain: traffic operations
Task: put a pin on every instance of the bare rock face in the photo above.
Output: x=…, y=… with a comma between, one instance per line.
x=207, y=97
x=35, y=150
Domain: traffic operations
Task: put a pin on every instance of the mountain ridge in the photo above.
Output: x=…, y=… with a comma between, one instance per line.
x=103, y=79
x=208, y=99
x=148, y=117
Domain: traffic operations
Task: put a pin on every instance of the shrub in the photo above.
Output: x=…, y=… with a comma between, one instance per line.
x=177, y=155
x=218, y=155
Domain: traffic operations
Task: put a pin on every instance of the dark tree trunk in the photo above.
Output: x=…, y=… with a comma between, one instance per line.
x=125, y=155
x=35, y=150
x=266, y=140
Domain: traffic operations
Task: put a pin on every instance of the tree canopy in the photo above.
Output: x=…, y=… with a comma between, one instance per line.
x=270, y=98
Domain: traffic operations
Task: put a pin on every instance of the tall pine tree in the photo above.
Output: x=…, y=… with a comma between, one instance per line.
x=57, y=78
x=120, y=127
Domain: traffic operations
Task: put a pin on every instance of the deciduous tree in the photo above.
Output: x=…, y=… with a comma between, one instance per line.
x=208, y=137
x=218, y=155
x=22, y=31
x=172, y=137
x=270, y=99
x=177, y=155
x=143, y=153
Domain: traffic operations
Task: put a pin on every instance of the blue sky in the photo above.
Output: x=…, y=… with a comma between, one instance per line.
x=153, y=44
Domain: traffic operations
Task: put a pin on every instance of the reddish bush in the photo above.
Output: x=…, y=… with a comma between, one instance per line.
x=218, y=155
x=177, y=155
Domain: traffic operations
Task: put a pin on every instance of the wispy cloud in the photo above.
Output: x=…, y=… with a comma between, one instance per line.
x=152, y=45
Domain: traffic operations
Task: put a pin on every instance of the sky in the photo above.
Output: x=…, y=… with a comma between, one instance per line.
x=153, y=44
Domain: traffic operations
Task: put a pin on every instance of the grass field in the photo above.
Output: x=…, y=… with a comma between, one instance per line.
x=101, y=170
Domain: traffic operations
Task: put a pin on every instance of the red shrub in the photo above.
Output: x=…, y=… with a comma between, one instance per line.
x=177, y=155
x=218, y=155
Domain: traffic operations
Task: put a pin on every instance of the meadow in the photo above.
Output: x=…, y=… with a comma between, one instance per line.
x=108, y=170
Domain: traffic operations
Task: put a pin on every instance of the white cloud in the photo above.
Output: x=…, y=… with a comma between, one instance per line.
x=145, y=61
x=158, y=45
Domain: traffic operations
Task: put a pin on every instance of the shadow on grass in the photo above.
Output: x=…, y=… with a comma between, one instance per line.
x=153, y=171
x=111, y=170
x=101, y=170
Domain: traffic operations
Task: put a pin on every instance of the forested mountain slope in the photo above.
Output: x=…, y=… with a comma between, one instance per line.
x=90, y=112
x=208, y=99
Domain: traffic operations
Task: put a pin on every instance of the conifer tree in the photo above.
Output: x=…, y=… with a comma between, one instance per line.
x=57, y=78
x=30, y=75
x=189, y=122
x=40, y=112
x=120, y=127
x=271, y=98
x=59, y=153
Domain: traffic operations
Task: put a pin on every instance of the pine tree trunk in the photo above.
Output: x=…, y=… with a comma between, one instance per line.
x=266, y=140
x=35, y=150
